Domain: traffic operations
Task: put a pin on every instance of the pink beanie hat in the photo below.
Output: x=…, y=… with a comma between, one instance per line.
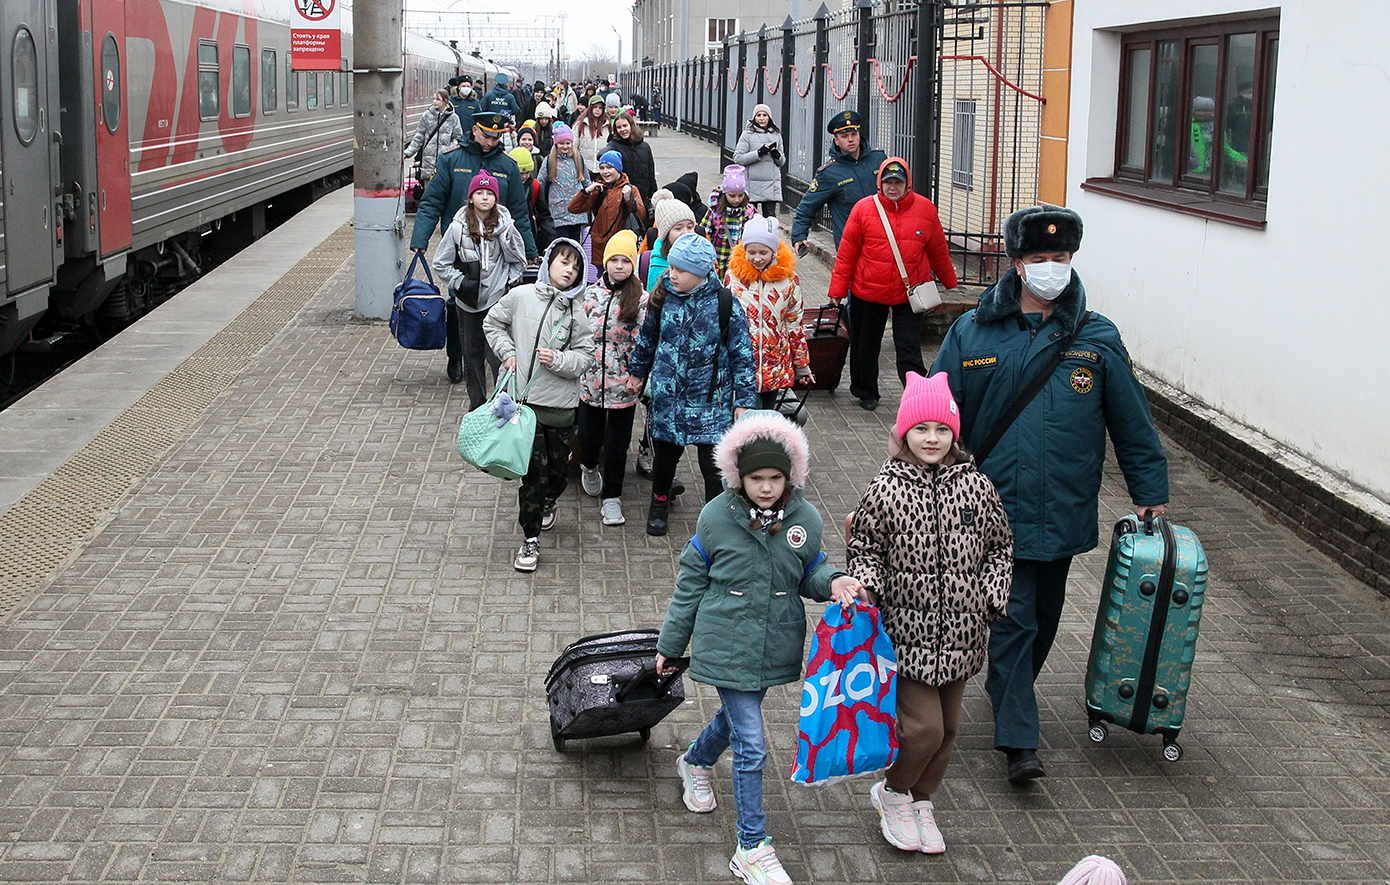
x=735, y=180
x=484, y=181
x=560, y=132
x=927, y=399
x=1094, y=870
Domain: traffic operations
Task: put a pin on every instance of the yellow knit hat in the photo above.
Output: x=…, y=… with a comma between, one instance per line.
x=623, y=243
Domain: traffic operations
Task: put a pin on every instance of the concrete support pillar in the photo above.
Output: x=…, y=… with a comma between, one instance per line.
x=378, y=120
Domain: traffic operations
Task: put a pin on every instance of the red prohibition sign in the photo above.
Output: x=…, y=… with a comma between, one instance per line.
x=314, y=10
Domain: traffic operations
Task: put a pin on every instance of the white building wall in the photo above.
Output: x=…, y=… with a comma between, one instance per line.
x=1287, y=329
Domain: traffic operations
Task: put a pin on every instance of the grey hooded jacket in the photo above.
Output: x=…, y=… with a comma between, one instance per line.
x=542, y=316
x=502, y=259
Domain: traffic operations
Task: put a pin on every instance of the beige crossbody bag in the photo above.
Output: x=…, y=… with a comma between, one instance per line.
x=921, y=297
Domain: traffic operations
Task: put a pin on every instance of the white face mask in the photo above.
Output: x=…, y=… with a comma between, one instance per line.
x=1047, y=279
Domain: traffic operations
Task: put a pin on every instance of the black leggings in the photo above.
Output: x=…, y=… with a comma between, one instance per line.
x=609, y=432
x=665, y=457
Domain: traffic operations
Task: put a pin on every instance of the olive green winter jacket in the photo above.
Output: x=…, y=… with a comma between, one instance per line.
x=743, y=617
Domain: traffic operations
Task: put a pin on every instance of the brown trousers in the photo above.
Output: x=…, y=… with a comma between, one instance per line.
x=928, y=719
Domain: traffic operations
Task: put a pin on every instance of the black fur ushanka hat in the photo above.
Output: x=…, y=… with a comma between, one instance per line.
x=1042, y=228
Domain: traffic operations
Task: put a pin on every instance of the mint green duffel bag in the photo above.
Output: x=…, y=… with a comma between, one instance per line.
x=497, y=436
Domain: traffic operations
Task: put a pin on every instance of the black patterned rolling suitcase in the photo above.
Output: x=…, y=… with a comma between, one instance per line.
x=607, y=684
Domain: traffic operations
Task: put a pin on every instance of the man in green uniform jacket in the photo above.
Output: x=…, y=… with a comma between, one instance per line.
x=1047, y=465
x=850, y=176
x=447, y=191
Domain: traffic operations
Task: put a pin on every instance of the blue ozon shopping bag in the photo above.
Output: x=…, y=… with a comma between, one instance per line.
x=849, y=700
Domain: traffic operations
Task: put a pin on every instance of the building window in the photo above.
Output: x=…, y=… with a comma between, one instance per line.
x=209, y=80
x=241, y=81
x=716, y=29
x=291, y=85
x=963, y=144
x=1196, y=115
x=270, y=97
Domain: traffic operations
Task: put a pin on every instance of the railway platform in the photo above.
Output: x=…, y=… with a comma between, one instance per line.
x=261, y=625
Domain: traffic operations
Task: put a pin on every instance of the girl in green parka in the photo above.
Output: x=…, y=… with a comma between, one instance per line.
x=756, y=552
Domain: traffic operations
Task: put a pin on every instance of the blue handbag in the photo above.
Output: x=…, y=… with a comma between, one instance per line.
x=417, y=314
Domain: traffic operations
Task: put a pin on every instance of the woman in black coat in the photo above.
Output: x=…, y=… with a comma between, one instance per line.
x=638, y=164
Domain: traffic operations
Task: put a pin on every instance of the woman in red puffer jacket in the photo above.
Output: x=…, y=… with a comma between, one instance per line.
x=866, y=272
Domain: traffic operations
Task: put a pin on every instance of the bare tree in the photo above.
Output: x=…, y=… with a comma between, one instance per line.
x=596, y=61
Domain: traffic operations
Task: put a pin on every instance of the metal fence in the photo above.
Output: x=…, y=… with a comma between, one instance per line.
x=963, y=105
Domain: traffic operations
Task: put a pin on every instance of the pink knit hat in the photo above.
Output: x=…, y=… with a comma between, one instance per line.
x=484, y=181
x=735, y=179
x=1094, y=870
x=561, y=133
x=927, y=399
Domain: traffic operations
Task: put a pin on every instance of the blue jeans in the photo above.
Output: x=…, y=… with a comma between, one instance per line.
x=1018, y=647
x=739, y=724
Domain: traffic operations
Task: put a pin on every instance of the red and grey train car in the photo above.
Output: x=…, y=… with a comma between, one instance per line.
x=132, y=127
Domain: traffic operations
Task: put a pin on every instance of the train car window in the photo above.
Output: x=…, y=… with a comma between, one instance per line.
x=291, y=85
x=209, y=78
x=327, y=90
x=311, y=90
x=25, y=65
x=270, y=73
x=342, y=90
x=111, y=83
x=241, y=81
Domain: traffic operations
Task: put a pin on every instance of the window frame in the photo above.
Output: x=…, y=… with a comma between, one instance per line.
x=270, y=86
x=214, y=67
x=1181, y=190
x=111, y=97
x=963, y=149
x=240, y=50
x=291, y=85
x=32, y=119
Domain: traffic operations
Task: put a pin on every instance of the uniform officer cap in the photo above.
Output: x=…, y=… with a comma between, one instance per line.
x=1042, y=228
x=491, y=122
x=845, y=120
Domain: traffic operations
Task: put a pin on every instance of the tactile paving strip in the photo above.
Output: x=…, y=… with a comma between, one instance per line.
x=49, y=524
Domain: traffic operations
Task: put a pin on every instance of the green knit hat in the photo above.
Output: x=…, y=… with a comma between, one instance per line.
x=763, y=453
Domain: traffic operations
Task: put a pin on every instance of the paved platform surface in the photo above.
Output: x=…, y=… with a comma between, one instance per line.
x=296, y=651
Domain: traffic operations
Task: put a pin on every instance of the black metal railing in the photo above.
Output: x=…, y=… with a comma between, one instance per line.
x=978, y=161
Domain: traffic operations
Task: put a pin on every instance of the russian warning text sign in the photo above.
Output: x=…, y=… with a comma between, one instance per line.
x=315, y=38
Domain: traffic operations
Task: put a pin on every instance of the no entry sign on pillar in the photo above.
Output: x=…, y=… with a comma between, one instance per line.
x=315, y=38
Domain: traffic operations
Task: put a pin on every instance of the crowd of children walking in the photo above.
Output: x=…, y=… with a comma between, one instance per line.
x=680, y=319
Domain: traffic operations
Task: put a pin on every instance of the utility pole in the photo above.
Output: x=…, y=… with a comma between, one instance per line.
x=378, y=118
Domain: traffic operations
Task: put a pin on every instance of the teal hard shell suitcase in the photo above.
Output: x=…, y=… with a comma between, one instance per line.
x=1146, y=631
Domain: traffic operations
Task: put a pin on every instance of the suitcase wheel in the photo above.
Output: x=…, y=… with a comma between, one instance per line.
x=1098, y=733
x=645, y=734
x=1172, y=751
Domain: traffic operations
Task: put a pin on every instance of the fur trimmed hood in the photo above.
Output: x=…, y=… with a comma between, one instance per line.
x=783, y=266
x=1000, y=301
x=763, y=424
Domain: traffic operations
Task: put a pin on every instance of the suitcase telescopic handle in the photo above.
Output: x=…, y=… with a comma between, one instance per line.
x=648, y=674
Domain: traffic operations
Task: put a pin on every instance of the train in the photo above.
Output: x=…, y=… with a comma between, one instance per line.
x=131, y=130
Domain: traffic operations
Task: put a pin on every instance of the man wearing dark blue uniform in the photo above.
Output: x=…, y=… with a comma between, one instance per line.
x=447, y=191
x=849, y=176
x=1047, y=464
x=499, y=99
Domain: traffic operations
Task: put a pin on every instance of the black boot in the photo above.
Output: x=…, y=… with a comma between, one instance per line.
x=656, y=516
x=455, y=371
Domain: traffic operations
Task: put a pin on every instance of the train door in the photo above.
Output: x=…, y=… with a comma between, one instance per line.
x=112, y=197
x=27, y=143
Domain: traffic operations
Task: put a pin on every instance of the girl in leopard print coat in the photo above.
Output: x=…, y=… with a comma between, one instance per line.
x=931, y=542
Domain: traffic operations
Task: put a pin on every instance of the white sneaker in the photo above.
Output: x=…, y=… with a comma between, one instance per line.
x=528, y=556
x=591, y=480
x=759, y=866
x=928, y=834
x=612, y=511
x=696, y=791
x=548, y=516
x=895, y=817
